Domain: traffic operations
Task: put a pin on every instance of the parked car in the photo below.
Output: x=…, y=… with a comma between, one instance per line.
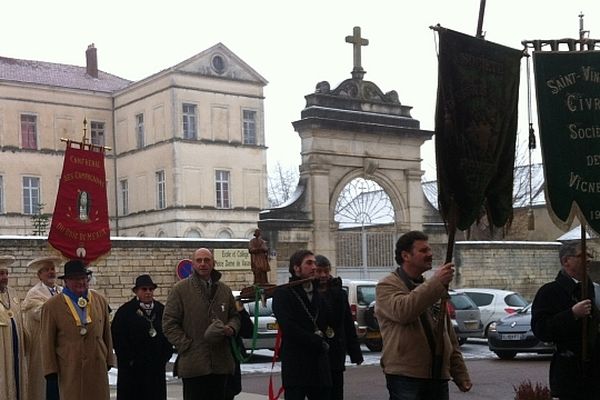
x=462, y=310
x=494, y=304
x=266, y=327
x=373, y=338
x=512, y=334
x=465, y=316
x=361, y=293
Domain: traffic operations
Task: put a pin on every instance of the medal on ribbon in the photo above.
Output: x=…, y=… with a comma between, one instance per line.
x=81, y=316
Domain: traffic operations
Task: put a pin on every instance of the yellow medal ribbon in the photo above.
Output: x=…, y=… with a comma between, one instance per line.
x=74, y=313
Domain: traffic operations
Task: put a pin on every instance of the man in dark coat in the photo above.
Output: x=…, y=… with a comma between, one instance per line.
x=557, y=315
x=304, y=323
x=141, y=347
x=344, y=340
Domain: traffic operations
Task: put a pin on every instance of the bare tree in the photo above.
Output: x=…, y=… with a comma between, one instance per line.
x=282, y=183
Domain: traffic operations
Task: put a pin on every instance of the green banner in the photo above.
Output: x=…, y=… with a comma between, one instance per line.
x=568, y=99
x=476, y=128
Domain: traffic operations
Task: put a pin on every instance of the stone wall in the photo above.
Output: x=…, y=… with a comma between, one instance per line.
x=518, y=266
x=114, y=276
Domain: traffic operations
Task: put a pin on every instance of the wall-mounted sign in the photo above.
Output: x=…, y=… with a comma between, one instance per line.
x=232, y=259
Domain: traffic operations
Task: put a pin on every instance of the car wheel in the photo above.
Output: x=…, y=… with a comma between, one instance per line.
x=374, y=345
x=506, y=355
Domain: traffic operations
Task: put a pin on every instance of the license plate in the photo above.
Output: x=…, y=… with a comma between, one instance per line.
x=272, y=326
x=472, y=325
x=511, y=336
x=373, y=335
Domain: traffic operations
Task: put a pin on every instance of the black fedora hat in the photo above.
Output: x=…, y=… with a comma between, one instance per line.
x=75, y=267
x=144, y=281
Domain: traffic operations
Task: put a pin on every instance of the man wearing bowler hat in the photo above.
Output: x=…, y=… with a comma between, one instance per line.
x=141, y=347
x=76, y=341
x=31, y=308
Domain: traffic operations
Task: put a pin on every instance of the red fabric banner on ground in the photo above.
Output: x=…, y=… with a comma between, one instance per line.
x=80, y=228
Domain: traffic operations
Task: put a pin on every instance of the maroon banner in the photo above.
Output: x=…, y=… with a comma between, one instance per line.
x=80, y=228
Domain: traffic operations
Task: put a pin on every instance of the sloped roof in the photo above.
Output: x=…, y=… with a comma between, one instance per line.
x=520, y=187
x=58, y=75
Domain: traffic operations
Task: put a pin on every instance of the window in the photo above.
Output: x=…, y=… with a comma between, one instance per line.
x=124, y=188
x=29, y=131
x=139, y=130
x=161, y=199
x=31, y=195
x=1, y=195
x=97, y=133
x=222, y=189
x=189, y=121
x=249, y=123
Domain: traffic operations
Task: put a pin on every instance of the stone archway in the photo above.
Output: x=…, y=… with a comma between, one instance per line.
x=352, y=131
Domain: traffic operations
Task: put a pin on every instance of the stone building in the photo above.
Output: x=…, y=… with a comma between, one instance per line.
x=188, y=154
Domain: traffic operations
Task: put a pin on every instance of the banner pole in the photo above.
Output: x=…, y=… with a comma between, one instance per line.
x=480, y=20
x=584, y=295
x=441, y=323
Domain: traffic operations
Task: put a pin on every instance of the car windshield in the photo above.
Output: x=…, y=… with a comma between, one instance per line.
x=525, y=309
x=515, y=300
x=461, y=301
x=365, y=295
x=263, y=311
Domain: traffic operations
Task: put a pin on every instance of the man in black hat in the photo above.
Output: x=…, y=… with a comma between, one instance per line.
x=141, y=347
x=76, y=341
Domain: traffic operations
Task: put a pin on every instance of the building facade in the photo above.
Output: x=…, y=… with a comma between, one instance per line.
x=188, y=154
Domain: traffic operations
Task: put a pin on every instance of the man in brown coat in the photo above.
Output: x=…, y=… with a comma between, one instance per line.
x=199, y=318
x=76, y=338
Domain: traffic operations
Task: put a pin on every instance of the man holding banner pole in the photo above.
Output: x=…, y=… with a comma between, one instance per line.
x=558, y=315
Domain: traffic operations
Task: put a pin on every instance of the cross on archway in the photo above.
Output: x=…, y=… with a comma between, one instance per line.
x=357, y=42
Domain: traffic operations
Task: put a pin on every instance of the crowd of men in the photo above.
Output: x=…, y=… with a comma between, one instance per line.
x=58, y=342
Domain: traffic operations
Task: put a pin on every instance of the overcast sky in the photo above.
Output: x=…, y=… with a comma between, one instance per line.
x=293, y=45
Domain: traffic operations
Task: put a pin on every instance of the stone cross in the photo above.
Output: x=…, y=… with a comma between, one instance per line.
x=357, y=42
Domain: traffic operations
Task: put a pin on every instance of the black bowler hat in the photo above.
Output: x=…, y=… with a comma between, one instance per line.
x=75, y=267
x=144, y=281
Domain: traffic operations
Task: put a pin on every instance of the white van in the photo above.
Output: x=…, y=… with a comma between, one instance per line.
x=361, y=293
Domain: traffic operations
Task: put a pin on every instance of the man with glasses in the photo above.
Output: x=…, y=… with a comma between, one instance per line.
x=559, y=314
x=141, y=347
x=200, y=318
x=76, y=340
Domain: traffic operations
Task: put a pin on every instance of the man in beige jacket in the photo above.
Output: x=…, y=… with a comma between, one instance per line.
x=407, y=310
x=31, y=308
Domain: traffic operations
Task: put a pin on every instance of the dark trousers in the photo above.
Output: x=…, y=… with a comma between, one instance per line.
x=337, y=388
x=307, y=392
x=52, y=389
x=405, y=388
x=207, y=387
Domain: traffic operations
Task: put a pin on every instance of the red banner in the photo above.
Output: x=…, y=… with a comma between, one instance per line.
x=80, y=228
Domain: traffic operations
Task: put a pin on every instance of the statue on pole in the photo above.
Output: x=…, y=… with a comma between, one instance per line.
x=259, y=258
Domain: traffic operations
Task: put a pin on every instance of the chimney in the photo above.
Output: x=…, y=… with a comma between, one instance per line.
x=91, y=59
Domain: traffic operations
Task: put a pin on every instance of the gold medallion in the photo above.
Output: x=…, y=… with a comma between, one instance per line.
x=10, y=314
x=82, y=302
x=329, y=332
x=152, y=332
x=83, y=331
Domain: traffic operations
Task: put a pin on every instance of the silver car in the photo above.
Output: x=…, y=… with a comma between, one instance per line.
x=465, y=316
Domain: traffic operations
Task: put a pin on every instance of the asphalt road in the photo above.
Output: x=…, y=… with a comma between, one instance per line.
x=493, y=379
